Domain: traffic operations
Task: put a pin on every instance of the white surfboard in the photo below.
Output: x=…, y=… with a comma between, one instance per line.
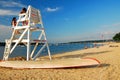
x=56, y=63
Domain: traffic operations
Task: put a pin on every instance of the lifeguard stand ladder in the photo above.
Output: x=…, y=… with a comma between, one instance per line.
x=26, y=24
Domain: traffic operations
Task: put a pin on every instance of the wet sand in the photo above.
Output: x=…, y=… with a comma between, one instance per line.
x=108, y=55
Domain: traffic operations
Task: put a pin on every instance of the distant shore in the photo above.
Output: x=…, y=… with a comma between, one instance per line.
x=89, y=41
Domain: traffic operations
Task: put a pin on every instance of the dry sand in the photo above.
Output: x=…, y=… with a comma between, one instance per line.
x=108, y=55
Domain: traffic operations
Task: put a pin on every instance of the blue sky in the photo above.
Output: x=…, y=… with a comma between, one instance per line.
x=67, y=20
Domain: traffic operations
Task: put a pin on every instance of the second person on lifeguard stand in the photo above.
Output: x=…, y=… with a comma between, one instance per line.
x=13, y=23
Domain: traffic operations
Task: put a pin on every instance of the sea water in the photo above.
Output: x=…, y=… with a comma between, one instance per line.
x=54, y=49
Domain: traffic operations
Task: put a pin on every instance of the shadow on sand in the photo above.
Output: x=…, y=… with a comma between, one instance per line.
x=83, y=54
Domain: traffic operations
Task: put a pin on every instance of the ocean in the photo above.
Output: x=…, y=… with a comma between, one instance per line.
x=54, y=49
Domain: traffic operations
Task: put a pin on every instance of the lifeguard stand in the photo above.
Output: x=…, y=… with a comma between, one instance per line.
x=33, y=23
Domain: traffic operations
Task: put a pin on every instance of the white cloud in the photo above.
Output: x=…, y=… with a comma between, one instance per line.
x=98, y=36
x=110, y=30
x=11, y=4
x=4, y=12
x=116, y=25
x=5, y=32
x=111, y=25
x=52, y=9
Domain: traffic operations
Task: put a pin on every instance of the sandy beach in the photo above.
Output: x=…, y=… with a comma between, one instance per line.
x=108, y=55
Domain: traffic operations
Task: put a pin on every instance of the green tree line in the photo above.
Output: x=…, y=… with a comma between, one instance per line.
x=116, y=37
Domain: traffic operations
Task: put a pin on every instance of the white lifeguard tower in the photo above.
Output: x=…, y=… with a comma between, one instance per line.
x=33, y=21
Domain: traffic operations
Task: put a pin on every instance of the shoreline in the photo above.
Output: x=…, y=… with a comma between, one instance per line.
x=108, y=55
x=60, y=49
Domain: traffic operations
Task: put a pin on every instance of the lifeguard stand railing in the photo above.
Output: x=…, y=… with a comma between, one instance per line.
x=32, y=23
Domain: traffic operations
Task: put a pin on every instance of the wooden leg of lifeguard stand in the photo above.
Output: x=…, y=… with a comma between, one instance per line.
x=28, y=46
